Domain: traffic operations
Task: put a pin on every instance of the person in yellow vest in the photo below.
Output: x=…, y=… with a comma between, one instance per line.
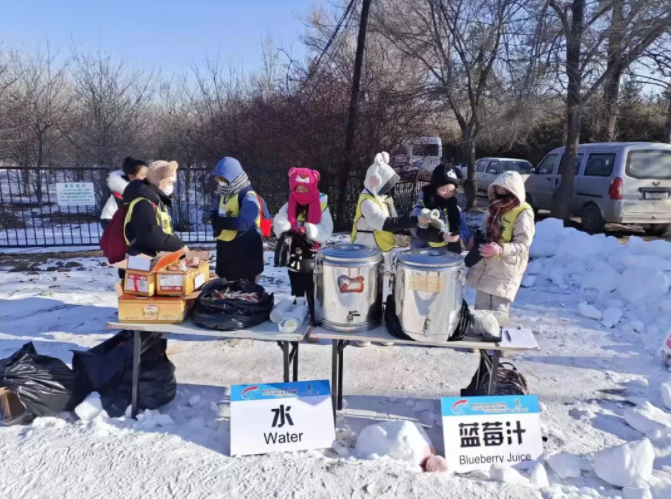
x=307, y=219
x=236, y=223
x=376, y=220
x=510, y=229
x=148, y=226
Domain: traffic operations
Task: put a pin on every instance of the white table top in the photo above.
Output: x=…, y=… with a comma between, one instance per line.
x=516, y=339
x=266, y=331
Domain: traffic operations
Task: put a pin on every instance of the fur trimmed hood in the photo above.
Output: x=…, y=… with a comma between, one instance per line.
x=117, y=182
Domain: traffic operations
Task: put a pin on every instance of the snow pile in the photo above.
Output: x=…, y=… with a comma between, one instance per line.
x=506, y=475
x=648, y=419
x=539, y=477
x=401, y=440
x=625, y=465
x=565, y=465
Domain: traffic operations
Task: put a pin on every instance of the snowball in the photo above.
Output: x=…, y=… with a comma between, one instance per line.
x=539, y=477
x=402, y=440
x=194, y=400
x=626, y=464
x=638, y=492
x=535, y=267
x=587, y=310
x=436, y=464
x=89, y=409
x=656, y=285
x=565, y=465
x=603, y=280
x=666, y=394
x=647, y=418
x=611, y=316
x=528, y=281
x=506, y=475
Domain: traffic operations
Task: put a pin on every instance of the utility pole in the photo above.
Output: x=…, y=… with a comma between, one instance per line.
x=352, y=115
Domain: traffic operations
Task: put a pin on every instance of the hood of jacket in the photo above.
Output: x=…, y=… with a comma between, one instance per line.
x=512, y=182
x=117, y=182
x=228, y=168
x=143, y=189
x=380, y=176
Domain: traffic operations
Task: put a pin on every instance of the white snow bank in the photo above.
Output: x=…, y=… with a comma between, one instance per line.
x=625, y=465
x=589, y=311
x=565, y=465
x=604, y=279
x=641, y=286
x=90, y=408
x=647, y=418
x=401, y=440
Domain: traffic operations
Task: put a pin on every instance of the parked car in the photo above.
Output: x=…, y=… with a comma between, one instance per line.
x=616, y=182
x=487, y=169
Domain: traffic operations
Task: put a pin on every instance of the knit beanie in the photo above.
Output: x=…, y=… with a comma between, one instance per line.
x=443, y=175
x=160, y=170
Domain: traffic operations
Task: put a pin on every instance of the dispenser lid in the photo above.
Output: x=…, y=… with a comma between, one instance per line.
x=430, y=257
x=350, y=252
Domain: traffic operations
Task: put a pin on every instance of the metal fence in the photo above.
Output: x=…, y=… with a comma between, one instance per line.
x=30, y=215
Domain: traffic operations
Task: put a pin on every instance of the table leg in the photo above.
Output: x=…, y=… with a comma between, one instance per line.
x=334, y=377
x=135, y=381
x=341, y=349
x=295, y=360
x=285, y=354
x=494, y=372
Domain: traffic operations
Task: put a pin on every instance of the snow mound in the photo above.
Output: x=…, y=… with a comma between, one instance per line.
x=604, y=280
x=647, y=418
x=656, y=285
x=625, y=465
x=506, y=475
x=90, y=408
x=589, y=311
x=580, y=245
x=641, y=491
x=565, y=465
x=401, y=440
x=535, y=267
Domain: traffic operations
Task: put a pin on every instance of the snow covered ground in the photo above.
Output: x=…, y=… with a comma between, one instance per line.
x=600, y=387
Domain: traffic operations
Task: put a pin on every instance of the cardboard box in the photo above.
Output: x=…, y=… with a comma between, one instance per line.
x=155, y=309
x=10, y=405
x=139, y=283
x=183, y=283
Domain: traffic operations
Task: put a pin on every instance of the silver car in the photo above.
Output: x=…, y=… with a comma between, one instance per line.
x=616, y=182
x=487, y=169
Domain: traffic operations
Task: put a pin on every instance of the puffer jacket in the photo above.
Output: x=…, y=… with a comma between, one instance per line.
x=117, y=183
x=501, y=276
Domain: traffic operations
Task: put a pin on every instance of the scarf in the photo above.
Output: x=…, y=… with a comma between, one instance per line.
x=309, y=179
x=497, y=208
x=233, y=188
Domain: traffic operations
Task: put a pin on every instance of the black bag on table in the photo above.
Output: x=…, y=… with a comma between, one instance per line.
x=44, y=385
x=509, y=381
x=108, y=369
x=231, y=314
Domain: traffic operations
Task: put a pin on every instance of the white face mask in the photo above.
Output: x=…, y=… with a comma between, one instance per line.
x=168, y=189
x=222, y=183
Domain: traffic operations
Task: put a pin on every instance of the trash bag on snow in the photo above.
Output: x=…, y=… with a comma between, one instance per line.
x=44, y=385
x=215, y=310
x=108, y=369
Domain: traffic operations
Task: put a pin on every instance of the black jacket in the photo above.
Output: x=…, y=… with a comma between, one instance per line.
x=431, y=234
x=143, y=230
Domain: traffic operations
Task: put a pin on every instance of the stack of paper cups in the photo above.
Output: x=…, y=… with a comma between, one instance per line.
x=279, y=310
x=293, y=319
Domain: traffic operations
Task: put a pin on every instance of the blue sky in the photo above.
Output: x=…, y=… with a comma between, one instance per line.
x=168, y=34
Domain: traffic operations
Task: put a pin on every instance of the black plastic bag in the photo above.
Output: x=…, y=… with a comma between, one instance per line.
x=44, y=385
x=108, y=369
x=231, y=314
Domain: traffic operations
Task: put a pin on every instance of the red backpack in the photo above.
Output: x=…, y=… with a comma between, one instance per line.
x=113, y=242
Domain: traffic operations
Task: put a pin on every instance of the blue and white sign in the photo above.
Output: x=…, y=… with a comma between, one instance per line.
x=281, y=417
x=483, y=431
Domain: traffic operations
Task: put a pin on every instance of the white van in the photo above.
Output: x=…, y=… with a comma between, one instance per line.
x=422, y=153
x=616, y=182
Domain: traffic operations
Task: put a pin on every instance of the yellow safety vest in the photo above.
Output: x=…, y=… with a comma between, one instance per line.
x=162, y=217
x=508, y=222
x=384, y=240
x=232, y=209
x=440, y=244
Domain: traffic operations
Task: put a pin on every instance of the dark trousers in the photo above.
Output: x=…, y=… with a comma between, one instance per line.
x=302, y=284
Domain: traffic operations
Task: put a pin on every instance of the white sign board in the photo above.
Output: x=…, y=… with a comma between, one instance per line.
x=482, y=431
x=281, y=417
x=75, y=194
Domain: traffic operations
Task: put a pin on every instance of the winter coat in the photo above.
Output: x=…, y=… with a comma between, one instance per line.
x=317, y=233
x=501, y=275
x=117, y=183
x=143, y=230
x=241, y=257
x=421, y=237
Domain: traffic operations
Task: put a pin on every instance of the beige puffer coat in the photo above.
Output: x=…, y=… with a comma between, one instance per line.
x=501, y=276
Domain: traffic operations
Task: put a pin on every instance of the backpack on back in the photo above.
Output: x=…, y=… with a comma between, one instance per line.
x=113, y=241
x=265, y=221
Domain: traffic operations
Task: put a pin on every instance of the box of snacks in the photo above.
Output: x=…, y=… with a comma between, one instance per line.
x=183, y=276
